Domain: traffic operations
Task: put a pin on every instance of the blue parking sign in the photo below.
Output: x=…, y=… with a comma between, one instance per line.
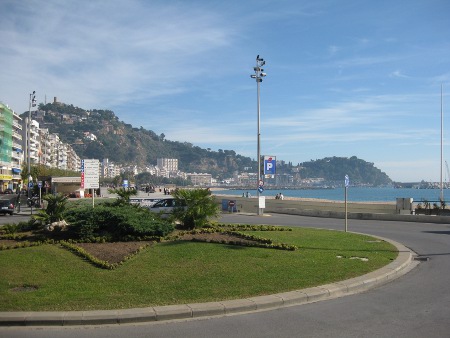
x=270, y=164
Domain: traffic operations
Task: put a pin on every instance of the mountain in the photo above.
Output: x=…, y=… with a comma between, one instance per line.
x=99, y=134
x=335, y=169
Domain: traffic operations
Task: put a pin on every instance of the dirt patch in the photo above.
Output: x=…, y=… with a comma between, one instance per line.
x=112, y=253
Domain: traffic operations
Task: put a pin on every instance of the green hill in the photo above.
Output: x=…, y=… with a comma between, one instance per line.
x=335, y=169
x=124, y=144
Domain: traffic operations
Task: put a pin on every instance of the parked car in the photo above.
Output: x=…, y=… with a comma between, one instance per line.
x=8, y=191
x=164, y=206
x=6, y=206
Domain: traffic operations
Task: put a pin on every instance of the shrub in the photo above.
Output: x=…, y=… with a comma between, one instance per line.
x=11, y=228
x=198, y=206
x=56, y=205
x=117, y=222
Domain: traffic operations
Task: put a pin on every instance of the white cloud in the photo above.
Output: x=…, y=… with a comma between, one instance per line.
x=398, y=73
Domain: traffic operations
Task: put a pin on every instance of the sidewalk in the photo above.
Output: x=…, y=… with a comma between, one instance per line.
x=403, y=264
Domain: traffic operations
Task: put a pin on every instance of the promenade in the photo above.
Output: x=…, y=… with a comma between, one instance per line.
x=378, y=211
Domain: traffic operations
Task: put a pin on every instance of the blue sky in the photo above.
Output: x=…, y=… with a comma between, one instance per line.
x=344, y=78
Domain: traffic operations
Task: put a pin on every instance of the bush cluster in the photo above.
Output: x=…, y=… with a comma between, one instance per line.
x=253, y=227
x=116, y=222
x=27, y=244
x=252, y=240
x=12, y=228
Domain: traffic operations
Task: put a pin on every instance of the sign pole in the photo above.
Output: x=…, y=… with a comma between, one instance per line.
x=346, y=184
x=346, y=221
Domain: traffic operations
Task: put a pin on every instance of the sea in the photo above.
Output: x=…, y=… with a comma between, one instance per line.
x=354, y=194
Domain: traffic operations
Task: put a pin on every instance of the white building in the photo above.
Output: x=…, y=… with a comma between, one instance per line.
x=170, y=164
x=30, y=140
x=108, y=169
x=200, y=179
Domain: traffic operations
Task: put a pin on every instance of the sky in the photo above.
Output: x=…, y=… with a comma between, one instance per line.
x=344, y=78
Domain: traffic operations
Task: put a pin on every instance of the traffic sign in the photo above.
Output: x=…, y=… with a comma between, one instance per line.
x=270, y=164
x=346, y=181
x=90, y=174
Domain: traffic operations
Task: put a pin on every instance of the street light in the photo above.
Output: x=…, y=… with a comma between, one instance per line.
x=259, y=74
x=31, y=103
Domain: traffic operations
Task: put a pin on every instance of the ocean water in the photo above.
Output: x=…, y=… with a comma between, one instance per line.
x=354, y=194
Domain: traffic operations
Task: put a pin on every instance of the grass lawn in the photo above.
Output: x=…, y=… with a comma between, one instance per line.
x=184, y=272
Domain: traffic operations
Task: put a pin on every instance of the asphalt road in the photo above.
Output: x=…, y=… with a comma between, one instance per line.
x=415, y=305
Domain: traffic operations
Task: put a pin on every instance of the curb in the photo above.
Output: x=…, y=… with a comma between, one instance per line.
x=403, y=264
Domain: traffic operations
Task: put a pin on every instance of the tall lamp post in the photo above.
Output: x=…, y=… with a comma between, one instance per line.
x=31, y=103
x=259, y=74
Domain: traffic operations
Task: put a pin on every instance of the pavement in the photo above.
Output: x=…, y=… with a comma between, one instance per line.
x=403, y=264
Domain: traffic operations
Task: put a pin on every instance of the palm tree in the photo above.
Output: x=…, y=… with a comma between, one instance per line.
x=194, y=207
x=54, y=212
x=123, y=195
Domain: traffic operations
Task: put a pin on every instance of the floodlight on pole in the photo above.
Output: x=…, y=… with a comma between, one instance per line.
x=258, y=76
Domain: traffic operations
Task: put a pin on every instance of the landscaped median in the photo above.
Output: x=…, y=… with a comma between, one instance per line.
x=49, y=277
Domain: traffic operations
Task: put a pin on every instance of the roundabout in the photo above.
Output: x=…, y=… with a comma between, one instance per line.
x=413, y=305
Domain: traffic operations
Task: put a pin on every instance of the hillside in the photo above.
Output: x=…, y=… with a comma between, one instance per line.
x=99, y=134
x=335, y=169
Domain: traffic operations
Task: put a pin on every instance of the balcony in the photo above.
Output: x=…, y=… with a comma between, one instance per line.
x=16, y=135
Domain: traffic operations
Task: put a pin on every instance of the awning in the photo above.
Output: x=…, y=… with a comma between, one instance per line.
x=16, y=171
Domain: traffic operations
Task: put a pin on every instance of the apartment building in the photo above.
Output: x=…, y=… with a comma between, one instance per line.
x=108, y=169
x=167, y=167
x=31, y=141
x=17, y=152
x=54, y=153
x=169, y=164
x=11, y=153
x=200, y=179
x=20, y=140
x=49, y=148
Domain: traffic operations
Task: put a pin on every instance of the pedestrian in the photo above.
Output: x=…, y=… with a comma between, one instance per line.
x=280, y=196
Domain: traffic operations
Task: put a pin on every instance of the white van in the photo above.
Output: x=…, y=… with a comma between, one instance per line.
x=164, y=206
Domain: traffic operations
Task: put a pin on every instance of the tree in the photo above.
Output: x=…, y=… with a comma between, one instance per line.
x=123, y=195
x=56, y=205
x=194, y=207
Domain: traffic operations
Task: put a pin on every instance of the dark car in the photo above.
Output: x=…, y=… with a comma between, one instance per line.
x=8, y=191
x=6, y=207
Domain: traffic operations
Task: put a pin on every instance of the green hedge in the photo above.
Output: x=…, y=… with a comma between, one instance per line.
x=116, y=222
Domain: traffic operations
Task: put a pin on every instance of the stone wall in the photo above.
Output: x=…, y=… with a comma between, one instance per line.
x=323, y=208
